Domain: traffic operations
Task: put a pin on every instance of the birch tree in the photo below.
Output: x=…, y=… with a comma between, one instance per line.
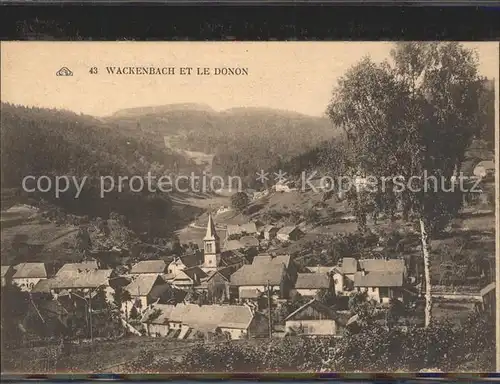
x=412, y=118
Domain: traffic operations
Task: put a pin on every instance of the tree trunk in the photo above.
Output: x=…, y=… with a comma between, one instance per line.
x=427, y=273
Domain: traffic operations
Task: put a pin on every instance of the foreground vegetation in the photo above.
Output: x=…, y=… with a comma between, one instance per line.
x=441, y=347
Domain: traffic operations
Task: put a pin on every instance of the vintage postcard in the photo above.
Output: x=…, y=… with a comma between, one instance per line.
x=207, y=207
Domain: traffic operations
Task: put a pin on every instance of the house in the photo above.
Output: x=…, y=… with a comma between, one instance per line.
x=485, y=169
x=381, y=286
x=269, y=232
x=181, y=263
x=489, y=298
x=7, y=272
x=216, y=284
x=140, y=288
x=313, y=318
x=78, y=267
x=223, y=209
x=310, y=284
x=150, y=267
x=27, y=275
x=289, y=233
x=320, y=269
x=278, y=273
x=350, y=266
x=240, y=230
x=81, y=281
x=284, y=187
x=188, y=278
x=244, y=242
x=235, y=321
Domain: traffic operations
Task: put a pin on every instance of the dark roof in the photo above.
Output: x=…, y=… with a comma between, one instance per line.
x=192, y=273
x=317, y=306
x=188, y=260
x=378, y=279
x=312, y=281
x=5, y=270
x=43, y=286
x=158, y=290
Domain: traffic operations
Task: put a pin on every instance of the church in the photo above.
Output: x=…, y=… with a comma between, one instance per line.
x=214, y=258
x=211, y=248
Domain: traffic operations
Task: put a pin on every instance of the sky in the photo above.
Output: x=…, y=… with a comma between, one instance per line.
x=296, y=76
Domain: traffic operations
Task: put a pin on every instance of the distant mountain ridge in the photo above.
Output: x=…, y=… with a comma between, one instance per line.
x=243, y=139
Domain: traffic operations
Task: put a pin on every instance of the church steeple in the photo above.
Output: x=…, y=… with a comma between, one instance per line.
x=211, y=246
x=211, y=232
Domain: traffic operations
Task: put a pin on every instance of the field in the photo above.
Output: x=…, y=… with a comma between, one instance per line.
x=25, y=236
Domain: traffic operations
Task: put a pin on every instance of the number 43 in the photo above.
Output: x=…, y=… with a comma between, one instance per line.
x=93, y=71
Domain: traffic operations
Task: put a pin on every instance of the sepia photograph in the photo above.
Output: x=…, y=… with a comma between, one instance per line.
x=253, y=207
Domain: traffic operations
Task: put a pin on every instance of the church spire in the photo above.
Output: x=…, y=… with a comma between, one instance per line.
x=211, y=232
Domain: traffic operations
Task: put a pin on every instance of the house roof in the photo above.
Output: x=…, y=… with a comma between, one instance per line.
x=76, y=267
x=187, y=260
x=250, y=293
x=206, y=316
x=149, y=266
x=320, y=269
x=392, y=265
x=43, y=286
x=349, y=265
x=85, y=279
x=312, y=281
x=158, y=290
x=490, y=287
x=259, y=274
x=211, y=233
x=30, y=270
x=287, y=230
x=141, y=285
x=192, y=273
x=268, y=228
x=249, y=228
x=264, y=258
x=378, y=279
x=486, y=164
x=233, y=245
x=317, y=306
x=5, y=270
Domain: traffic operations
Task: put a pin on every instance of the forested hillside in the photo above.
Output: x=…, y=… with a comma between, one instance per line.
x=60, y=143
x=244, y=140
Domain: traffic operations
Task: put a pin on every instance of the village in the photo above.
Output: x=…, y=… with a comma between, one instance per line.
x=235, y=287
x=341, y=224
